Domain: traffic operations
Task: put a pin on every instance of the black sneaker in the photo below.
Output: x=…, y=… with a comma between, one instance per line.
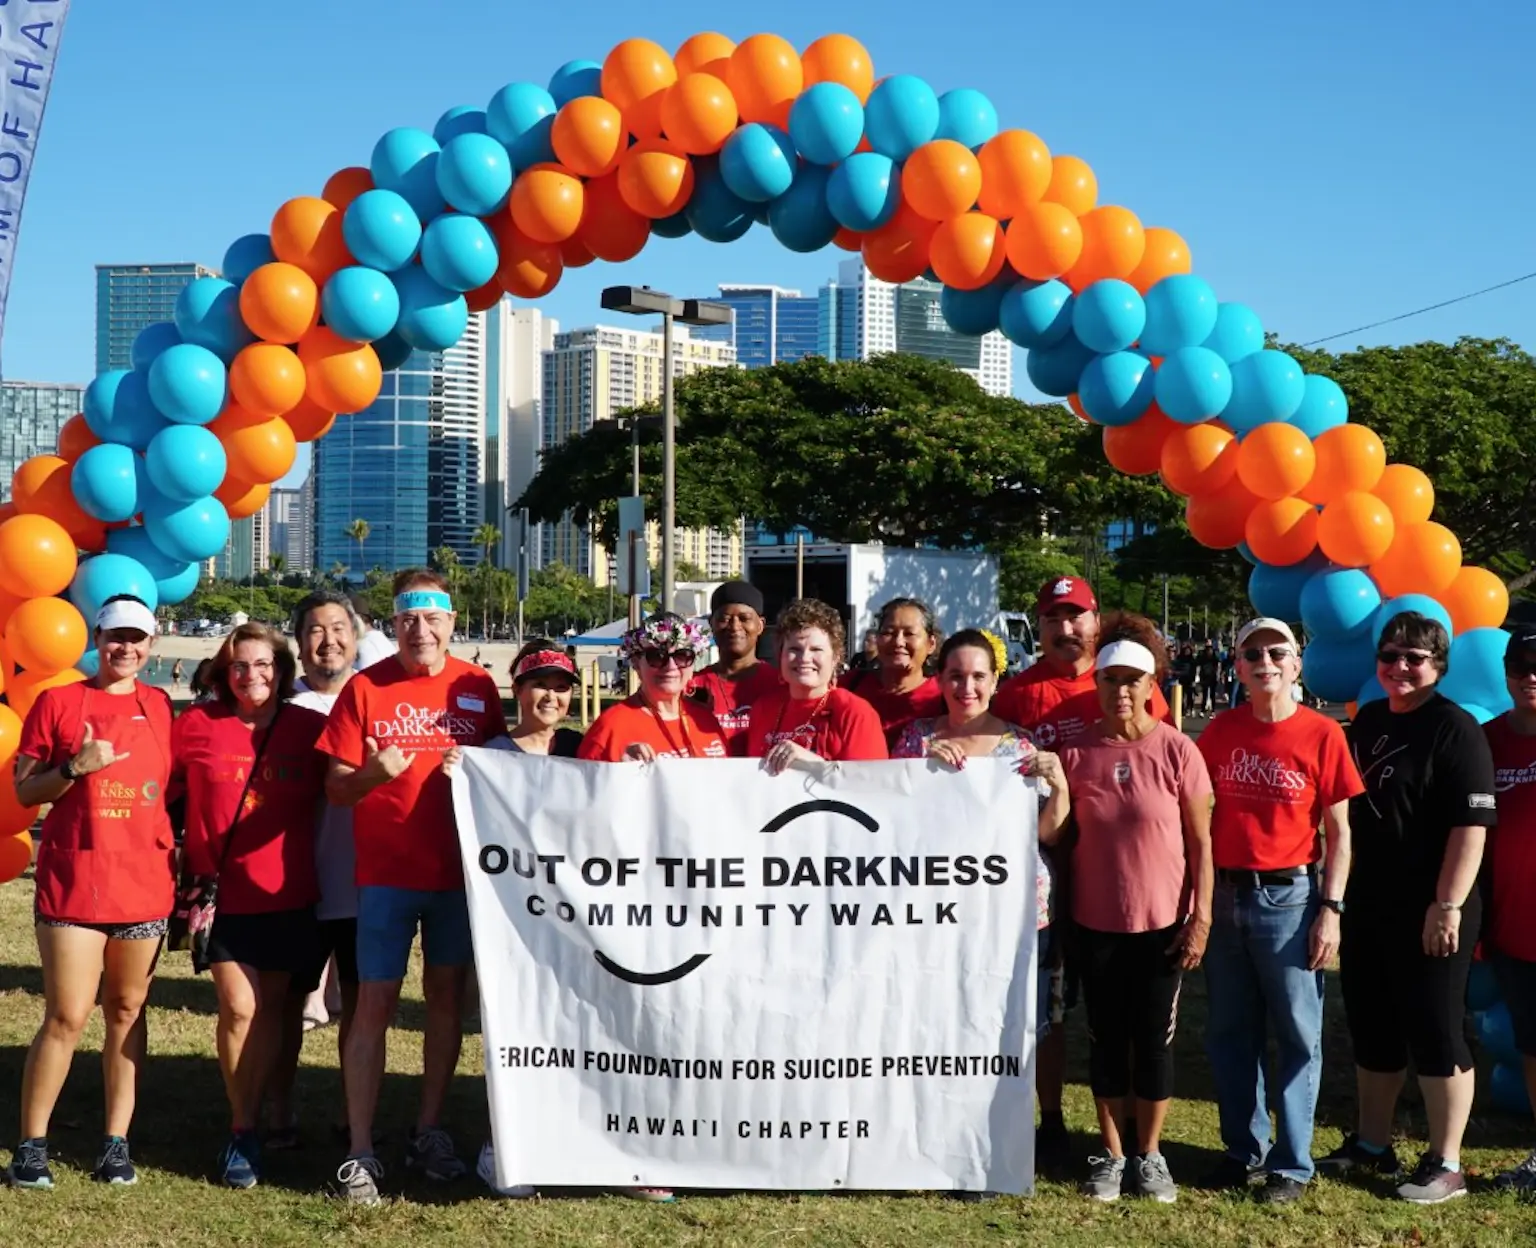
x=1279, y=1190
x=114, y=1165
x=1228, y=1175
x=29, y=1166
x=1351, y=1157
x=1432, y=1182
x=1053, y=1144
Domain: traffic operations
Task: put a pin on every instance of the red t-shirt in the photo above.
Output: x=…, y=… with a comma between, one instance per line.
x=695, y=734
x=1512, y=920
x=732, y=700
x=107, y=852
x=404, y=830
x=1272, y=784
x=1040, y=697
x=841, y=727
x=897, y=710
x=269, y=864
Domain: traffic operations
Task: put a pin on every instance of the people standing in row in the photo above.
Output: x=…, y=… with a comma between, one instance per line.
x=738, y=678
x=900, y=687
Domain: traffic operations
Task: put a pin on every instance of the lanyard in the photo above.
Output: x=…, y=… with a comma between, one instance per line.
x=682, y=721
x=810, y=720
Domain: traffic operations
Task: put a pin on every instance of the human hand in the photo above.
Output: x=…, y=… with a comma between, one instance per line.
x=785, y=755
x=452, y=757
x=1189, y=945
x=1442, y=931
x=947, y=752
x=640, y=752
x=1323, y=940
x=386, y=764
x=1045, y=767
x=94, y=755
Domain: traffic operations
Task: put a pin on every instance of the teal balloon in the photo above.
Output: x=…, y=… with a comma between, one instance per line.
x=1238, y=332
x=151, y=342
x=118, y=408
x=474, y=174
x=575, y=79
x=800, y=218
x=1496, y=1033
x=105, y=576
x=1266, y=387
x=826, y=123
x=1420, y=604
x=1334, y=668
x=458, y=252
x=393, y=350
x=188, y=531
x=1476, y=674
x=1482, y=985
x=1055, y=370
x=522, y=116
x=1109, y=316
x=432, y=317
x=1036, y=314
x=1193, y=385
x=1181, y=312
x=459, y=120
x=185, y=462
x=1507, y=1087
x=208, y=315
x=966, y=116
x=188, y=384
x=1276, y=591
x=1323, y=406
x=901, y=114
x=180, y=586
x=175, y=579
x=758, y=162
x=381, y=230
x=405, y=161
x=245, y=255
x=89, y=663
x=105, y=482
x=1340, y=602
x=714, y=212
x=1371, y=691
x=864, y=191
x=977, y=311
x=359, y=304
x=1116, y=389
x=676, y=226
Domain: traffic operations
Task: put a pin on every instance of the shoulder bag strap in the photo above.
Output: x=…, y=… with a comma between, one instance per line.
x=229, y=837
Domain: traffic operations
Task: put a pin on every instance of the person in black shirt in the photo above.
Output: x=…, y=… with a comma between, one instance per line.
x=1412, y=910
x=1208, y=671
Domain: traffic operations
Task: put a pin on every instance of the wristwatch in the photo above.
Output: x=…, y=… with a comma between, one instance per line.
x=1336, y=906
x=67, y=769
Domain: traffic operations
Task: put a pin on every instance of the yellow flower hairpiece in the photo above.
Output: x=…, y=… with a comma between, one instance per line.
x=999, y=649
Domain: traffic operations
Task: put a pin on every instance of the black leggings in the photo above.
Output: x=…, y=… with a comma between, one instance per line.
x=1131, y=990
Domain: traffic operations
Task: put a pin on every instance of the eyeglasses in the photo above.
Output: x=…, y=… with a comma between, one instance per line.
x=660, y=658
x=261, y=667
x=1415, y=659
x=1276, y=654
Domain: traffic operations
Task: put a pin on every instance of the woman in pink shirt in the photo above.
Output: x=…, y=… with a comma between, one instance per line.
x=1141, y=898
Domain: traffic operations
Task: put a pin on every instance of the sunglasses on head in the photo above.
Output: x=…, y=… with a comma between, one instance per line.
x=660, y=658
x=1276, y=653
x=1413, y=658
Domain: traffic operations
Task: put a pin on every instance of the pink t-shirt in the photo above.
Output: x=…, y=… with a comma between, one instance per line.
x=1128, y=865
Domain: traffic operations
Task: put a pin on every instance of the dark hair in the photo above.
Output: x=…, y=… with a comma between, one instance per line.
x=284, y=664
x=412, y=578
x=811, y=613
x=318, y=598
x=930, y=624
x=199, y=681
x=1419, y=632
x=1128, y=626
x=972, y=638
x=123, y=598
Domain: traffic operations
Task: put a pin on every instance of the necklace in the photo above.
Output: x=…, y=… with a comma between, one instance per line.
x=778, y=723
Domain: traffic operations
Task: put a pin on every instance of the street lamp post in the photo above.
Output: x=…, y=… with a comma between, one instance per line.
x=643, y=301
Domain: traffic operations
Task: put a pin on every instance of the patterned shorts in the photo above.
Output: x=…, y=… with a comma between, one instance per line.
x=152, y=929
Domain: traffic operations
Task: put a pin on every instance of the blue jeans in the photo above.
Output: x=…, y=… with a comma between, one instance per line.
x=1258, y=982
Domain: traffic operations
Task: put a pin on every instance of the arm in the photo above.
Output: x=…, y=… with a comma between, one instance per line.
x=1047, y=768
x=1190, y=942
x=1323, y=942
x=1458, y=877
x=346, y=785
x=36, y=784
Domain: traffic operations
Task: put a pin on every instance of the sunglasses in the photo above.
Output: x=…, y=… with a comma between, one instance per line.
x=660, y=658
x=1415, y=659
x=1276, y=653
x=1520, y=665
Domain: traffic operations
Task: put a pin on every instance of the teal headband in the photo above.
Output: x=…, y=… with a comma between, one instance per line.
x=422, y=600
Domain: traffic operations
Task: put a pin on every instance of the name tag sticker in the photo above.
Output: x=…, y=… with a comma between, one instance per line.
x=471, y=704
x=1481, y=801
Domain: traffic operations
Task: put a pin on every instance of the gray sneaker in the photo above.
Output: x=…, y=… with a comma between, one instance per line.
x=431, y=1152
x=1153, y=1179
x=1105, y=1175
x=1432, y=1182
x=357, y=1181
x=1521, y=1178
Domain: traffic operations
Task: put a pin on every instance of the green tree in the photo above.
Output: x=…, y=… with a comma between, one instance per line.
x=358, y=531
x=560, y=598
x=338, y=572
x=276, y=562
x=486, y=537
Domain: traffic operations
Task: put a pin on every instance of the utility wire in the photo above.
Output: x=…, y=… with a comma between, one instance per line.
x=1525, y=277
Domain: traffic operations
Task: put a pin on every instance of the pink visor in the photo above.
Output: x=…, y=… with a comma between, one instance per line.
x=544, y=661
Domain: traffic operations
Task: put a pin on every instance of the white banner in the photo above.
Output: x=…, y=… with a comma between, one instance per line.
x=30, y=34
x=693, y=974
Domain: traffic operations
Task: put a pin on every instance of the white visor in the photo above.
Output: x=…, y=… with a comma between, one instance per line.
x=1126, y=654
x=125, y=614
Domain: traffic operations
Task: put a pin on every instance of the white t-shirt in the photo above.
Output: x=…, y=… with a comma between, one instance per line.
x=335, y=858
x=372, y=647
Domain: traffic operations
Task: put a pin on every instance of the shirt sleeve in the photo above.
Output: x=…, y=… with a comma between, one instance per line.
x=1464, y=775
x=863, y=738
x=342, y=738
x=1195, y=777
x=594, y=746
x=1338, y=778
x=40, y=732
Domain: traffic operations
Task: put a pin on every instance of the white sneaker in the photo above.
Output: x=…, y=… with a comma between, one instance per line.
x=485, y=1168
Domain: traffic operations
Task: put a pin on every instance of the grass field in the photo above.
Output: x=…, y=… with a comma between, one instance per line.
x=182, y=1118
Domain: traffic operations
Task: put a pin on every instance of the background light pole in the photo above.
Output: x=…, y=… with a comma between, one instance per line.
x=643, y=301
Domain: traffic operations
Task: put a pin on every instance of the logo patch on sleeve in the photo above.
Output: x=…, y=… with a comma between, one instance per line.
x=1481, y=801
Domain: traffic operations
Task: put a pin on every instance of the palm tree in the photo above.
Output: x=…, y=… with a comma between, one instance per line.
x=446, y=560
x=486, y=537
x=276, y=563
x=358, y=531
x=338, y=571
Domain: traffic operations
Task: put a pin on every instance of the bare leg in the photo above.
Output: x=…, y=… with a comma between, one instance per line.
x=1378, y=1095
x=443, y=987
x=72, y=960
x=1111, y=1110
x=1149, y=1124
x=1448, y=1104
x=238, y=987
x=130, y=964
x=362, y=1067
x=1051, y=1069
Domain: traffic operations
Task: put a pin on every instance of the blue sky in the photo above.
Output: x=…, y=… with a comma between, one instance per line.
x=1331, y=164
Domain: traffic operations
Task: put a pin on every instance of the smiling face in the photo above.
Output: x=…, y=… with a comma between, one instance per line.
x=664, y=674
x=1404, y=670
x=736, y=627
x=1069, y=635
x=1123, y=691
x=252, y=674
x=123, y=653
x=1274, y=667
x=1520, y=677
x=807, y=661
x=327, y=643
x=968, y=681
x=904, y=642
x=424, y=638
x=544, y=699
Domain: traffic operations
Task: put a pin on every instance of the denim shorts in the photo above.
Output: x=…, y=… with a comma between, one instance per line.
x=387, y=919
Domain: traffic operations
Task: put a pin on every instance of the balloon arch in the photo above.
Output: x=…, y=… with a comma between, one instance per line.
x=713, y=140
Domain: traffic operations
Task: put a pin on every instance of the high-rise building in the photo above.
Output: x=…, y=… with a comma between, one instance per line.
x=769, y=325
x=862, y=316
x=131, y=296
x=293, y=527
x=31, y=415
x=411, y=464
x=593, y=374
x=514, y=423
x=245, y=553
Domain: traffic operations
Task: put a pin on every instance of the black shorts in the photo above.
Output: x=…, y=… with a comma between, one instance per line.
x=338, y=939
x=1400, y=1002
x=1517, y=981
x=1131, y=989
x=276, y=942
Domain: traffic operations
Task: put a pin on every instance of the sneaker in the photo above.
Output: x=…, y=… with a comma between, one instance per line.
x=29, y=1165
x=1105, y=1177
x=240, y=1160
x=431, y=1152
x=283, y=1139
x=1228, y=1175
x=114, y=1165
x=485, y=1170
x=1432, y=1182
x=1351, y=1157
x=1279, y=1190
x=357, y=1181
x=1053, y=1144
x=1153, y=1179
x=1520, y=1179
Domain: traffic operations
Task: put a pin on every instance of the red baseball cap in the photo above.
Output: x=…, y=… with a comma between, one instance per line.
x=1070, y=591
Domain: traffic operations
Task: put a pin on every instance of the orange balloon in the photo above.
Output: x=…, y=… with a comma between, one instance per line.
x=340, y=376
x=32, y=475
x=1015, y=172
x=635, y=76
x=306, y=232
x=46, y=635
x=848, y=240
x=1199, y=459
x=16, y=848
x=941, y=180
x=610, y=229
x=1282, y=531
x=1355, y=530
x=41, y=486
x=1422, y=559
x=1276, y=460
x=1073, y=185
x=528, y=270
x=698, y=113
x=574, y=253
x=1044, y=240
x=280, y=302
x=21, y=693
x=1407, y=491
x=765, y=76
x=484, y=298
x=75, y=438
x=839, y=58
x=898, y=251
x=1349, y=457
x=1136, y=449
x=309, y=421
x=1166, y=255
x=708, y=52
x=8, y=603
x=1113, y=245
x=547, y=202
x=589, y=136
x=241, y=498
x=968, y=251
x=10, y=735
x=266, y=379
x=1075, y=402
x=260, y=448
x=655, y=179
x=1220, y=519
x=37, y=557
x=345, y=185
x=1476, y=598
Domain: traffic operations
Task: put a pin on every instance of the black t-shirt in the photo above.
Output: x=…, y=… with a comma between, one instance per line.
x=1426, y=771
x=565, y=744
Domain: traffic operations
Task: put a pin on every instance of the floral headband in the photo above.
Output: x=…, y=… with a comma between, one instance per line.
x=666, y=634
